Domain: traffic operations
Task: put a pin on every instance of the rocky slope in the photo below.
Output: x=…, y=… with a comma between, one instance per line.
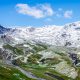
x=47, y=53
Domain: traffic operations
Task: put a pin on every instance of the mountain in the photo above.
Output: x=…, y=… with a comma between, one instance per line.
x=46, y=53
x=67, y=35
x=3, y=29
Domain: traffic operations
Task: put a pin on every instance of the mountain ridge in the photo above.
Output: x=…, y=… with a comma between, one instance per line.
x=67, y=35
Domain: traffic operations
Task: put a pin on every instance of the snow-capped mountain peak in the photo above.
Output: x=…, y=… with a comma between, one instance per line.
x=73, y=25
x=67, y=35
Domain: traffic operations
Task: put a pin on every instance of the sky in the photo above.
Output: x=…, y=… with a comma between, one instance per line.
x=38, y=13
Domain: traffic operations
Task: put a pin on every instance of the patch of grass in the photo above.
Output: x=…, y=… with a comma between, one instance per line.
x=65, y=57
x=10, y=73
x=15, y=50
x=78, y=69
x=40, y=72
x=38, y=46
x=50, y=61
x=34, y=58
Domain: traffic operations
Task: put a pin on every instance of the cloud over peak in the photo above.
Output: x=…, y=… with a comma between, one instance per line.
x=38, y=11
x=68, y=14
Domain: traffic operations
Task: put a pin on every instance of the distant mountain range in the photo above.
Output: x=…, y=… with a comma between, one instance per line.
x=3, y=29
x=67, y=35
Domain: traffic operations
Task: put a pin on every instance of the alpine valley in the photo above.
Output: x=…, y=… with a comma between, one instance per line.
x=43, y=53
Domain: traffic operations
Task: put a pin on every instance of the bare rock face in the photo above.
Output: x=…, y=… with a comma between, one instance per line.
x=5, y=54
x=3, y=29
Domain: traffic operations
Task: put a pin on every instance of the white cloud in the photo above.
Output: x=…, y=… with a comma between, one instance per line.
x=68, y=14
x=38, y=11
x=42, y=10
